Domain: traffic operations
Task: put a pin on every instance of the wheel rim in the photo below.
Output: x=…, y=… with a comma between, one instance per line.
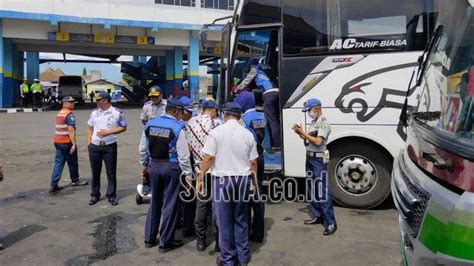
x=356, y=175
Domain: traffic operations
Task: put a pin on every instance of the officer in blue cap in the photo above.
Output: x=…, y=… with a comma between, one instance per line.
x=255, y=121
x=188, y=207
x=233, y=173
x=316, y=166
x=189, y=108
x=165, y=158
x=197, y=131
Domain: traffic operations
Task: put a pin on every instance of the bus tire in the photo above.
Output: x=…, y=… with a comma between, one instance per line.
x=359, y=174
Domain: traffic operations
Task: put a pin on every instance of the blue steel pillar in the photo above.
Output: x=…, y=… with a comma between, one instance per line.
x=15, y=76
x=178, y=70
x=6, y=96
x=32, y=66
x=193, y=66
x=169, y=72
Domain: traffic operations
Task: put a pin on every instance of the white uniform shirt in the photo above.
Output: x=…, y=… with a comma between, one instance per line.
x=100, y=119
x=233, y=147
x=151, y=110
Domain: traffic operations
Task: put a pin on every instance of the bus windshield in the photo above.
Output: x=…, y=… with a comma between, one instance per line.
x=449, y=77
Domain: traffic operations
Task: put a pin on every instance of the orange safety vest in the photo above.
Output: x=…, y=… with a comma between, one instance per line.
x=61, y=134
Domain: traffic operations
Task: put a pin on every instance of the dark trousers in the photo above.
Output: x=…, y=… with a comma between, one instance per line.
x=271, y=108
x=62, y=156
x=319, y=192
x=187, y=209
x=107, y=154
x=37, y=100
x=165, y=186
x=204, y=209
x=24, y=100
x=231, y=195
x=257, y=206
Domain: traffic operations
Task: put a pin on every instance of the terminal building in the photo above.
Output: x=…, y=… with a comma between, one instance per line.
x=161, y=35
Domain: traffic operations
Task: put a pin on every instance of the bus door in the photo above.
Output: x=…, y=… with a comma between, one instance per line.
x=257, y=46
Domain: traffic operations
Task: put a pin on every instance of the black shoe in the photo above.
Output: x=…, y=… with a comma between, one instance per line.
x=1, y=246
x=150, y=244
x=330, y=229
x=176, y=244
x=55, y=189
x=201, y=245
x=315, y=220
x=94, y=200
x=113, y=201
x=79, y=183
x=253, y=238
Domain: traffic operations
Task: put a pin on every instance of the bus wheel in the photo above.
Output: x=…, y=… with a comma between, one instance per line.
x=359, y=175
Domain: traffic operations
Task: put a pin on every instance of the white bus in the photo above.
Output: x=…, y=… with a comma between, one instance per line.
x=433, y=177
x=357, y=57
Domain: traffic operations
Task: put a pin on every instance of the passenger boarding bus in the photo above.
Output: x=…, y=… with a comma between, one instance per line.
x=433, y=178
x=356, y=56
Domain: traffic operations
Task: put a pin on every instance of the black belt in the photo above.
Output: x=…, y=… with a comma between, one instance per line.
x=103, y=143
x=312, y=154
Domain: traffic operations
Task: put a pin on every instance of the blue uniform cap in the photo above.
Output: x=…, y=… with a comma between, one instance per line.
x=155, y=91
x=68, y=99
x=176, y=103
x=102, y=95
x=210, y=104
x=232, y=107
x=187, y=104
x=310, y=104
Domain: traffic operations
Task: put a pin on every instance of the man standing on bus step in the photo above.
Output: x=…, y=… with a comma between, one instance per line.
x=265, y=82
x=233, y=173
x=165, y=158
x=155, y=107
x=65, y=144
x=104, y=124
x=197, y=132
x=315, y=140
x=36, y=89
x=254, y=120
x=24, y=94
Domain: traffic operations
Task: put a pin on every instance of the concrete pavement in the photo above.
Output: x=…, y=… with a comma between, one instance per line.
x=62, y=229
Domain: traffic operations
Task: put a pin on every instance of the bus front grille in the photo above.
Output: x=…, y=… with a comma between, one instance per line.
x=411, y=200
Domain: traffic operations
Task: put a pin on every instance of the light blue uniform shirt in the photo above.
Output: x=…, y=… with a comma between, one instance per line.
x=100, y=119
